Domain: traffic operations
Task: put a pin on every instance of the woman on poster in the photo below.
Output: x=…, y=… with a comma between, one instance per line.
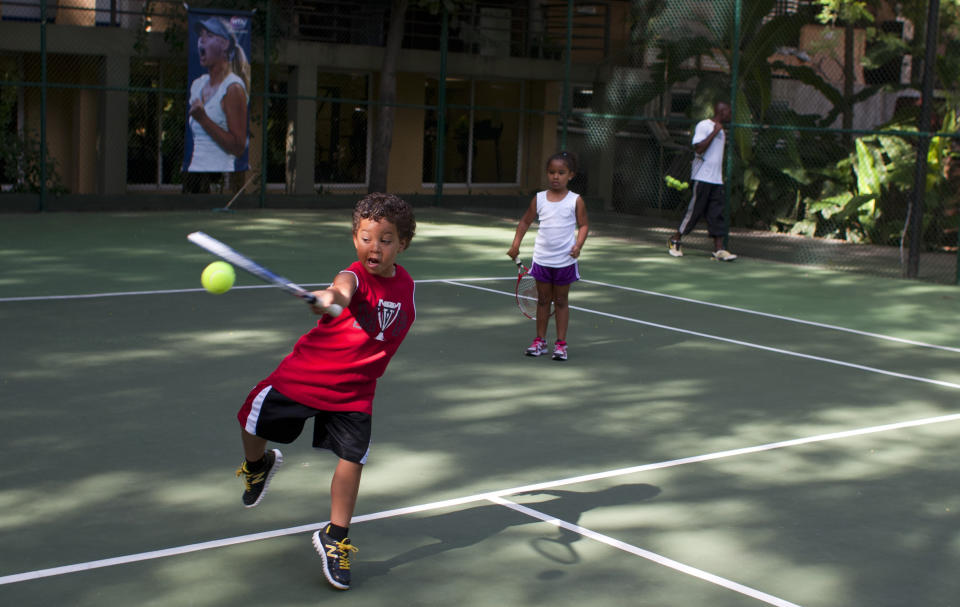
x=218, y=100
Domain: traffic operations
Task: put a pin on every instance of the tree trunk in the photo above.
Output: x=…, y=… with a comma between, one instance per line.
x=383, y=130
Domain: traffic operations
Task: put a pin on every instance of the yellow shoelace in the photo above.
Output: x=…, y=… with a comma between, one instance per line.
x=345, y=550
x=251, y=479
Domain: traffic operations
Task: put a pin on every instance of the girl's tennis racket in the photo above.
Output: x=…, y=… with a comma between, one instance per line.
x=243, y=262
x=526, y=291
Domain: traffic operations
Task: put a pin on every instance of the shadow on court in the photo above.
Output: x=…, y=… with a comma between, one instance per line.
x=465, y=528
x=125, y=404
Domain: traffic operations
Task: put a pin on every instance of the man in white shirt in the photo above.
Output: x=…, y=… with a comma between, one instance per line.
x=707, y=176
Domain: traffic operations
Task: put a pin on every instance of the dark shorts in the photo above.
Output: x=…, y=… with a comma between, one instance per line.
x=557, y=276
x=706, y=200
x=271, y=415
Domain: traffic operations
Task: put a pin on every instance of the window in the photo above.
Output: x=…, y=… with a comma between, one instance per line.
x=342, y=126
x=496, y=132
x=156, y=124
x=482, y=140
x=11, y=107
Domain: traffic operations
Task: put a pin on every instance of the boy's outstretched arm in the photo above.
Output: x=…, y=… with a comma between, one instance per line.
x=340, y=293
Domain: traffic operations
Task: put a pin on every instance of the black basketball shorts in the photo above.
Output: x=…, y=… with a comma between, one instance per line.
x=269, y=414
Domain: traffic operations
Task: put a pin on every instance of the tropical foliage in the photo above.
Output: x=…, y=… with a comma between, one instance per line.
x=795, y=172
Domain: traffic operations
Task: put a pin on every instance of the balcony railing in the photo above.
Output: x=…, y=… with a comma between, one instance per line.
x=489, y=28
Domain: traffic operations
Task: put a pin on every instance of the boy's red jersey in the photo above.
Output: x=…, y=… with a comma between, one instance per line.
x=335, y=366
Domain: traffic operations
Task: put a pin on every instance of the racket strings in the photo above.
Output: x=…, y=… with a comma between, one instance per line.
x=527, y=295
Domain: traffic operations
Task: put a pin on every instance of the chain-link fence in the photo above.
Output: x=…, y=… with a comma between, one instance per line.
x=822, y=150
x=829, y=104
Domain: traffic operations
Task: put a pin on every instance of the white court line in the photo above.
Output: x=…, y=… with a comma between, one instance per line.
x=195, y=290
x=745, y=344
x=121, y=294
x=178, y=550
x=460, y=281
x=777, y=317
x=650, y=556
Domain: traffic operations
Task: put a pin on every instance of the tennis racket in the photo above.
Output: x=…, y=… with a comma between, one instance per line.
x=526, y=291
x=243, y=262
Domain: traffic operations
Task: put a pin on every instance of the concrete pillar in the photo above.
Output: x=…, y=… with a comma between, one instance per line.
x=115, y=108
x=304, y=84
x=604, y=159
x=406, y=149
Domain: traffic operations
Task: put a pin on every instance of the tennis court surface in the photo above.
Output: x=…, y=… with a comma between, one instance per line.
x=738, y=434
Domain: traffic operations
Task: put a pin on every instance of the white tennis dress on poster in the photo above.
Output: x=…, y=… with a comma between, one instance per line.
x=208, y=156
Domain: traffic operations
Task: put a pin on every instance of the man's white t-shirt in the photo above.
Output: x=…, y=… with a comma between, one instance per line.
x=708, y=167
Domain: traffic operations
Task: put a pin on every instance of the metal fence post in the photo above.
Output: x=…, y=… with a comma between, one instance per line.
x=441, y=107
x=42, y=202
x=565, y=103
x=734, y=88
x=915, y=210
x=264, y=122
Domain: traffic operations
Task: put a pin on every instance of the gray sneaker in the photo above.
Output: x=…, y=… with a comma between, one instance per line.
x=723, y=255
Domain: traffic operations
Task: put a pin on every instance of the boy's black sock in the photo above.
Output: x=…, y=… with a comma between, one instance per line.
x=258, y=465
x=336, y=532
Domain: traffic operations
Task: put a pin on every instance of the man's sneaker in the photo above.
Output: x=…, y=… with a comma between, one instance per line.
x=723, y=255
x=560, y=350
x=538, y=347
x=256, y=483
x=336, y=558
x=673, y=247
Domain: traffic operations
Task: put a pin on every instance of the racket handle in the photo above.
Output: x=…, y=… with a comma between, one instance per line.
x=333, y=309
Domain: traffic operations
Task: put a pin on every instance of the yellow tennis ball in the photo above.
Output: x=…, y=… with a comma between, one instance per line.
x=218, y=277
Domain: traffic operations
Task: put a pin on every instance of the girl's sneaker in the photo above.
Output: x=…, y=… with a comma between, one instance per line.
x=560, y=350
x=538, y=347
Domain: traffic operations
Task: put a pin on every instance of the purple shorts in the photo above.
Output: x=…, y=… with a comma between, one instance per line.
x=558, y=276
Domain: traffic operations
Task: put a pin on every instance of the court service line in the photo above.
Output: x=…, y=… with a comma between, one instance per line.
x=321, y=285
x=777, y=316
x=745, y=344
x=460, y=501
x=461, y=281
x=120, y=294
x=646, y=554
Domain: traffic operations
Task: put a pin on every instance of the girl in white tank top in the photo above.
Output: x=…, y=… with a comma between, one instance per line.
x=562, y=231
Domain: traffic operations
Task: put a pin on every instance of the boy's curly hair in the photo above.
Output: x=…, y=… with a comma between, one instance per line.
x=391, y=207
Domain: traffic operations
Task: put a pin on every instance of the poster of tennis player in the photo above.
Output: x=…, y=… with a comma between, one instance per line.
x=219, y=73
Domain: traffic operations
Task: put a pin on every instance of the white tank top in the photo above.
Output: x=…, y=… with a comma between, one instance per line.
x=557, y=232
x=208, y=156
